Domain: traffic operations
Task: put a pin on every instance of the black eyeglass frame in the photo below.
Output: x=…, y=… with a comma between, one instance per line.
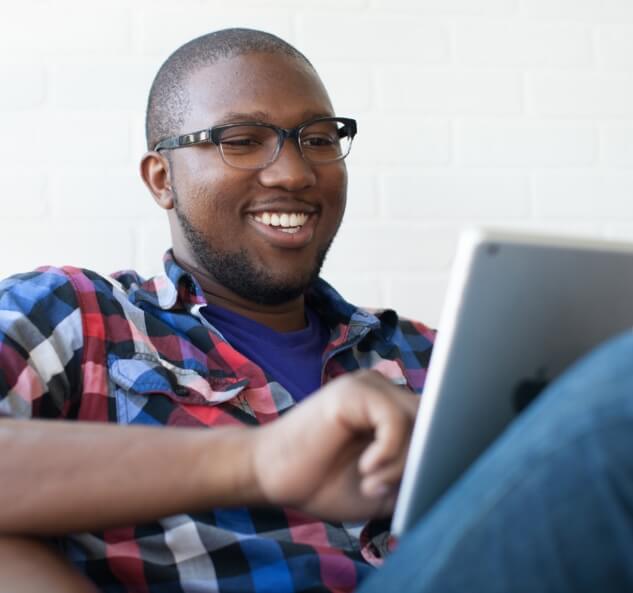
x=212, y=136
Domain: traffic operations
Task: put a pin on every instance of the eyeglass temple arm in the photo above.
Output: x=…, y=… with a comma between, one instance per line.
x=184, y=140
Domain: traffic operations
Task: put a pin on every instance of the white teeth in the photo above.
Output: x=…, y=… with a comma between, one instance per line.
x=288, y=222
x=291, y=230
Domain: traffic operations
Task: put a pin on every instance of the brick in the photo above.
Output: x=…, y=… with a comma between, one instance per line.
x=520, y=43
x=584, y=195
x=580, y=10
x=59, y=242
x=525, y=144
x=553, y=226
x=392, y=247
x=152, y=240
x=65, y=139
x=138, y=144
x=392, y=139
x=619, y=232
x=23, y=86
x=456, y=196
x=451, y=93
x=587, y=94
x=161, y=29
x=418, y=297
x=362, y=195
x=102, y=194
x=349, y=86
x=415, y=41
x=65, y=27
x=615, y=46
x=101, y=86
x=364, y=290
x=452, y=7
x=308, y=5
x=617, y=145
x=24, y=195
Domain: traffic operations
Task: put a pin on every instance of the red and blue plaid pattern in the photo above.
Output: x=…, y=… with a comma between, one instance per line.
x=77, y=345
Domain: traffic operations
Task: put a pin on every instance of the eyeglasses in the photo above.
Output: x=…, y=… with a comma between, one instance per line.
x=256, y=145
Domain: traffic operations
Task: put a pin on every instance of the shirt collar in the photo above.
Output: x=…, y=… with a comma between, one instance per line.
x=175, y=289
x=178, y=289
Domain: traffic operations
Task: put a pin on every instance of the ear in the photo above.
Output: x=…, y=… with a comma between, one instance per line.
x=156, y=174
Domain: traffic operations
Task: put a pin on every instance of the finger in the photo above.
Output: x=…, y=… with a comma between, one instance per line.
x=374, y=406
x=373, y=487
x=400, y=395
x=391, y=439
x=385, y=479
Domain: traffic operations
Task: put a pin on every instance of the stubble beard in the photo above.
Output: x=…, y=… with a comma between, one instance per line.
x=236, y=271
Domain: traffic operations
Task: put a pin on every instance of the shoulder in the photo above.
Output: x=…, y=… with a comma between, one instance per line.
x=402, y=329
x=405, y=341
x=51, y=298
x=61, y=284
x=385, y=323
x=410, y=329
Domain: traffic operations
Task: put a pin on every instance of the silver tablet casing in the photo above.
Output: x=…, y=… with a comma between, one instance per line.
x=519, y=310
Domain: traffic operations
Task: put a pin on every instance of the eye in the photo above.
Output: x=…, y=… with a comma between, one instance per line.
x=241, y=142
x=244, y=138
x=318, y=141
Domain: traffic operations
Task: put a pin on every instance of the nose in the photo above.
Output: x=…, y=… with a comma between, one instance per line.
x=290, y=170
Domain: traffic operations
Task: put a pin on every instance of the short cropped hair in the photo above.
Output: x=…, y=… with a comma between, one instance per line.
x=168, y=101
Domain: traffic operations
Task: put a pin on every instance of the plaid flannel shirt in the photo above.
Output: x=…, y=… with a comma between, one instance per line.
x=78, y=345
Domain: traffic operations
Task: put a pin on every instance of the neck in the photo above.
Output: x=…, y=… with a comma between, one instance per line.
x=285, y=317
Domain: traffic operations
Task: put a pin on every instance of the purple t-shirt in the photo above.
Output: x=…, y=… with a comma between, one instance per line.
x=293, y=359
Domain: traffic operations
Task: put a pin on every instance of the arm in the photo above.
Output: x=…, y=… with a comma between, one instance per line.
x=339, y=455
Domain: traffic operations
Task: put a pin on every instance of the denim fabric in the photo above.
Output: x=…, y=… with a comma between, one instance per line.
x=548, y=507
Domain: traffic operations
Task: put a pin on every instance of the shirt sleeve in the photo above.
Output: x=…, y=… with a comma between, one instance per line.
x=41, y=341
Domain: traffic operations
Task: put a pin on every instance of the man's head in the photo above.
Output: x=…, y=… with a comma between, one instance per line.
x=168, y=98
x=225, y=220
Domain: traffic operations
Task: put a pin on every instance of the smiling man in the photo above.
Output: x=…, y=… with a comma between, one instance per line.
x=254, y=211
x=255, y=201
x=246, y=156
x=243, y=487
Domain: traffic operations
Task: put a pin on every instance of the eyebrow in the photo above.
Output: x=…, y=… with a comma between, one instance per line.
x=263, y=117
x=234, y=116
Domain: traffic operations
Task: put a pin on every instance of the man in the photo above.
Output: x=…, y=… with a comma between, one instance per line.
x=246, y=156
x=256, y=503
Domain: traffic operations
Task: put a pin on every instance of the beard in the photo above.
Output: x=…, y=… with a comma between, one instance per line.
x=236, y=271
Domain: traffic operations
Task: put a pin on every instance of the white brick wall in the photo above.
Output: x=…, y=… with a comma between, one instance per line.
x=508, y=112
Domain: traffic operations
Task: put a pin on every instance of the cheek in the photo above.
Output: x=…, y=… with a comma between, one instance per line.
x=209, y=197
x=334, y=184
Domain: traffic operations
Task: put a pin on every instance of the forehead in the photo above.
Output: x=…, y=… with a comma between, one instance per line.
x=280, y=89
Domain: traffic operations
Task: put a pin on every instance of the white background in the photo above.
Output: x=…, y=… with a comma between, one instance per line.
x=515, y=113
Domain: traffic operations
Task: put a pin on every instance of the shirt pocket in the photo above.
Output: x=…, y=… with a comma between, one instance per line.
x=137, y=379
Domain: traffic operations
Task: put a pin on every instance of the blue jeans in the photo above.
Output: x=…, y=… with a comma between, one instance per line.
x=548, y=507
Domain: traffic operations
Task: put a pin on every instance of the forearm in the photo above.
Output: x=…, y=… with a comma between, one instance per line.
x=59, y=477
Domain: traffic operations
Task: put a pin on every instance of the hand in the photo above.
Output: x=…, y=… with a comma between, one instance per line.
x=338, y=455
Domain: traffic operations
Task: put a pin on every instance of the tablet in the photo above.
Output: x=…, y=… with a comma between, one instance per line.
x=519, y=310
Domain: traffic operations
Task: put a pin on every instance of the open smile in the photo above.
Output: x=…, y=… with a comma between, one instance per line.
x=288, y=223
x=285, y=229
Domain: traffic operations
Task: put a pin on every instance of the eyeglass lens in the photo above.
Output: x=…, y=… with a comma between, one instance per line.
x=253, y=147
